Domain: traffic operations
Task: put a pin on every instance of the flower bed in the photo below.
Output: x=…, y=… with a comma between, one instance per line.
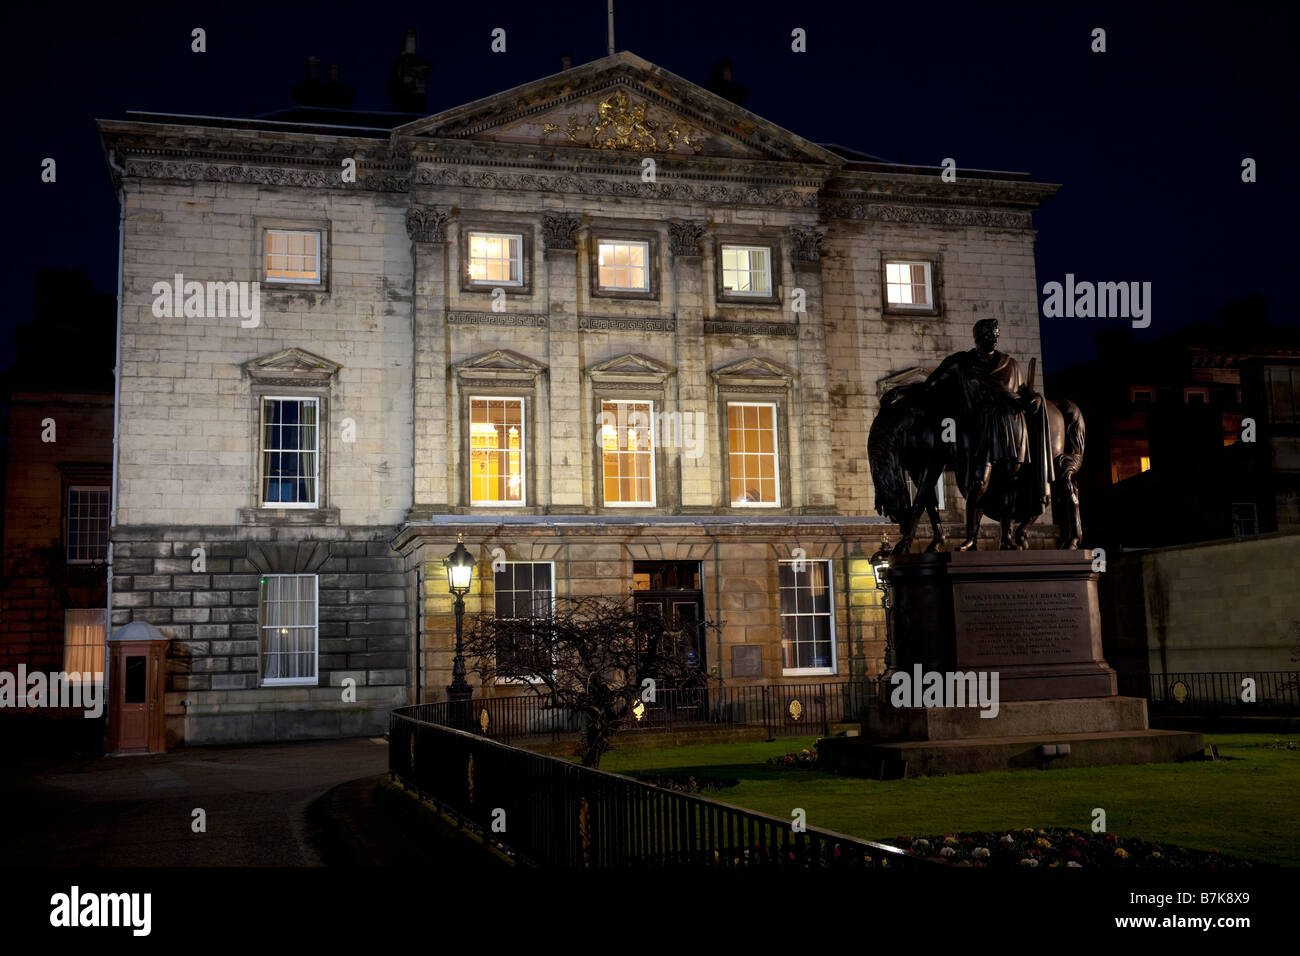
x=804, y=760
x=1059, y=847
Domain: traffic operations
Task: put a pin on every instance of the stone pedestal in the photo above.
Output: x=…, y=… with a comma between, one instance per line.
x=1030, y=616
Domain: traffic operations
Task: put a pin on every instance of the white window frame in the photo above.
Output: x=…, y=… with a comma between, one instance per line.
x=523, y=452
x=929, y=285
x=654, y=492
x=261, y=452
x=524, y=680
x=1201, y=390
x=67, y=521
x=645, y=246
x=830, y=616
x=776, y=455
x=299, y=280
x=265, y=681
x=102, y=616
x=725, y=247
x=517, y=261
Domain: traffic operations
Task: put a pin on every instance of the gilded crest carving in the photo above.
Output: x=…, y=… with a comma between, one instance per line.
x=618, y=124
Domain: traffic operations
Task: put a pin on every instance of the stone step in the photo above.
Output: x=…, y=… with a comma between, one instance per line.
x=859, y=757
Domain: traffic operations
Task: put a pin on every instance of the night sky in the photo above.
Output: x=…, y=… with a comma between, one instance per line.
x=1147, y=138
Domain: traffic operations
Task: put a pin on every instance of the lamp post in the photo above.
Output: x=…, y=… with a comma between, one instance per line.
x=460, y=571
x=880, y=568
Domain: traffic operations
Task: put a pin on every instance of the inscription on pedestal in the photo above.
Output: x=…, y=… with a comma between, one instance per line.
x=1007, y=623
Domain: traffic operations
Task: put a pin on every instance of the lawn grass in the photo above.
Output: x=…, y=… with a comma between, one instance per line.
x=1246, y=806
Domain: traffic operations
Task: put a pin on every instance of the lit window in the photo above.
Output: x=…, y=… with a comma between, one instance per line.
x=1196, y=396
x=940, y=502
x=747, y=270
x=495, y=258
x=627, y=451
x=496, y=451
x=1144, y=463
x=524, y=592
x=807, y=633
x=290, y=453
x=907, y=285
x=292, y=256
x=623, y=266
x=83, y=640
x=87, y=524
x=287, y=613
x=752, y=461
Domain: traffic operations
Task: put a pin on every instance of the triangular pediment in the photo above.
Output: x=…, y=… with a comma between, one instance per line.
x=291, y=364
x=754, y=371
x=630, y=368
x=621, y=103
x=499, y=360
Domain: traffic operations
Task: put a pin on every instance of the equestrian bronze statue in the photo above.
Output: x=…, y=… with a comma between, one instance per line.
x=1013, y=452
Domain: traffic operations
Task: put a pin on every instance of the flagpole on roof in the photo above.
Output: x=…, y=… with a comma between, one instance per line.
x=611, y=27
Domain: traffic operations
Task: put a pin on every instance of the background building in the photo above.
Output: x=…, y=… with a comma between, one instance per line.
x=621, y=334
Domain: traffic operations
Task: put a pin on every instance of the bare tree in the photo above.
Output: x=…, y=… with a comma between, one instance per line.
x=597, y=656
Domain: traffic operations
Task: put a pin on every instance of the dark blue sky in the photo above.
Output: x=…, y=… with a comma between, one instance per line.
x=1147, y=139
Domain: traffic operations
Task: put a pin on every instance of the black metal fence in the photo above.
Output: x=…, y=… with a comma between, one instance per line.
x=782, y=710
x=1218, y=693
x=550, y=812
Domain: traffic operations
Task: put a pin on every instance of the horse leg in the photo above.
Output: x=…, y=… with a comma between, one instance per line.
x=1071, y=534
x=1008, y=543
x=929, y=479
x=940, y=540
x=974, y=512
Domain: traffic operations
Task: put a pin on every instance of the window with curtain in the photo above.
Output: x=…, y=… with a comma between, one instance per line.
x=751, y=461
x=747, y=270
x=292, y=256
x=524, y=591
x=288, y=621
x=807, y=631
x=84, y=630
x=495, y=258
x=290, y=452
x=496, y=451
x=907, y=284
x=627, y=450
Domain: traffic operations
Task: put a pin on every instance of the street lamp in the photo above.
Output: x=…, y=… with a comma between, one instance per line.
x=460, y=571
x=880, y=568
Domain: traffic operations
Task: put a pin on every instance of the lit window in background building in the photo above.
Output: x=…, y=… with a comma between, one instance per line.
x=496, y=451
x=627, y=448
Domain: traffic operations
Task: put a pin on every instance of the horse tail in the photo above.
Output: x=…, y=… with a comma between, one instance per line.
x=885, y=441
x=1072, y=457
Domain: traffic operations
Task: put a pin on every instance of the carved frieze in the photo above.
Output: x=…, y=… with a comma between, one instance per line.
x=730, y=327
x=533, y=320
x=618, y=323
x=618, y=123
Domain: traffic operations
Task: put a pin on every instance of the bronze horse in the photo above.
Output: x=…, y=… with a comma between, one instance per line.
x=905, y=440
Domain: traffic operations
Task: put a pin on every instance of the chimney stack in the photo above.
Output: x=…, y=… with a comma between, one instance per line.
x=408, y=79
x=721, y=83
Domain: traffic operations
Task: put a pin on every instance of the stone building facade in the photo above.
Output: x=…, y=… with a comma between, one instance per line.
x=619, y=333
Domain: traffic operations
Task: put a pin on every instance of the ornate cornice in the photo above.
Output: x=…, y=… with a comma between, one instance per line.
x=615, y=323
x=684, y=237
x=631, y=187
x=729, y=327
x=929, y=215
x=559, y=230
x=807, y=242
x=534, y=320
x=426, y=223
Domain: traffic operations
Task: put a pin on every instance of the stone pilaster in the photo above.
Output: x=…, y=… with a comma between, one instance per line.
x=426, y=227
x=818, y=487
x=567, y=411
x=697, y=446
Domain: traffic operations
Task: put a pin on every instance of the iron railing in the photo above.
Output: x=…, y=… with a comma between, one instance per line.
x=550, y=812
x=782, y=710
x=1220, y=693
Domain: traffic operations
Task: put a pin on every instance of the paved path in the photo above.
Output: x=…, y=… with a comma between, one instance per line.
x=137, y=811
